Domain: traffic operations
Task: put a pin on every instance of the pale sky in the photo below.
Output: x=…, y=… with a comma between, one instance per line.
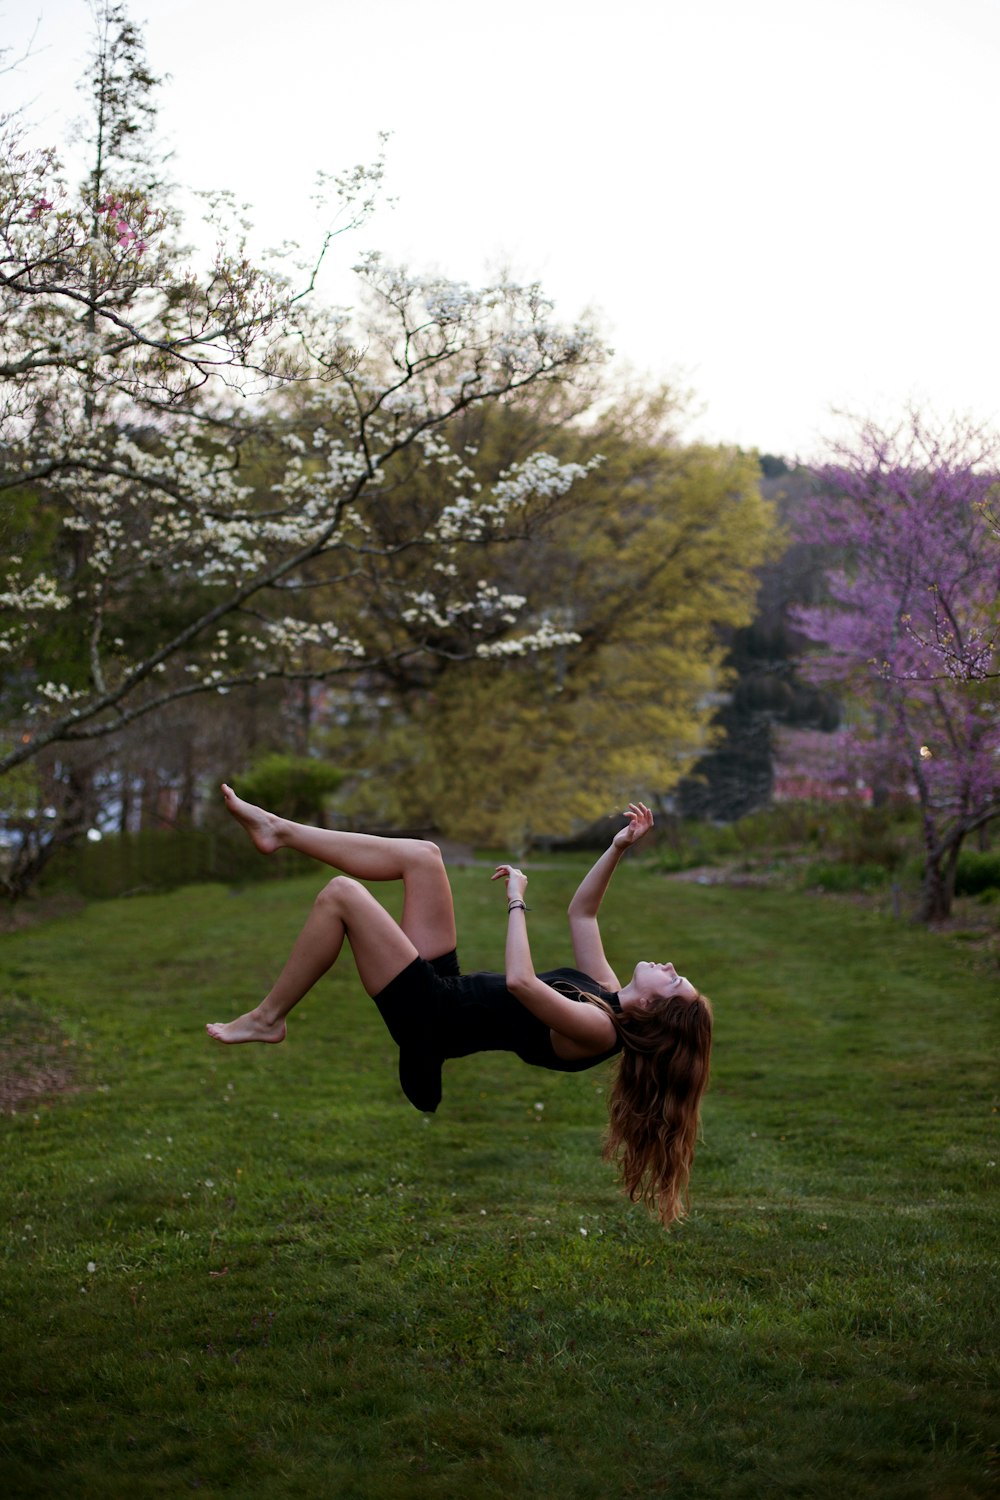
x=785, y=206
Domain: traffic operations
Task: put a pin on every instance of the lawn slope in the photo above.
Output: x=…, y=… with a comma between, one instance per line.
x=260, y=1272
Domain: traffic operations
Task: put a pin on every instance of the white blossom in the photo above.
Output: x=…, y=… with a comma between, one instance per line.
x=544, y=638
x=33, y=594
x=146, y=479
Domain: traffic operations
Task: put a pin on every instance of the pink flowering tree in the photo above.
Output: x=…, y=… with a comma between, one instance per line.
x=909, y=627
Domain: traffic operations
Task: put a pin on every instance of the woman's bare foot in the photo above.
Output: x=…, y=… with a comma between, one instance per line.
x=249, y=1028
x=260, y=825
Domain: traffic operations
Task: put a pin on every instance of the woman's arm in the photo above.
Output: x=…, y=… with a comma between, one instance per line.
x=586, y=1025
x=588, y=949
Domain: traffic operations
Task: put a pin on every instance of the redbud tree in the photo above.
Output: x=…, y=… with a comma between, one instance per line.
x=910, y=625
x=147, y=552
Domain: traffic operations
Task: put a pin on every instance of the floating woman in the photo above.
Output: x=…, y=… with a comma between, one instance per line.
x=565, y=1020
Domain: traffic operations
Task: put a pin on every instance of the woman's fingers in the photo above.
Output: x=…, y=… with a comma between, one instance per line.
x=640, y=818
x=516, y=880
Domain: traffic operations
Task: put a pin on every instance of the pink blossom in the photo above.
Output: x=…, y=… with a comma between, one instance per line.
x=39, y=207
x=908, y=625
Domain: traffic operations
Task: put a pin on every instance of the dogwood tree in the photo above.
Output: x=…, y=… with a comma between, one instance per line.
x=910, y=625
x=169, y=526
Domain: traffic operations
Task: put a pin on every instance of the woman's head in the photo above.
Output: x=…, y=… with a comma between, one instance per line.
x=666, y=1031
x=651, y=982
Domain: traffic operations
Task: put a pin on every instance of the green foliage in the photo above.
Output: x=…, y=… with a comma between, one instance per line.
x=763, y=665
x=685, y=843
x=652, y=551
x=31, y=530
x=978, y=870
x=294, y=786
x=853, y=832
x=20, y=792
x=156, y=859
x=829, y=875
x=843, y=832
x=881, y=836
x=301, y=1286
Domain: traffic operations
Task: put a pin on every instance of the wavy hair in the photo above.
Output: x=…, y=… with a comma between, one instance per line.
x=653, y=1111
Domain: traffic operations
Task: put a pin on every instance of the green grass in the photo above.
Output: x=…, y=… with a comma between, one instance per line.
x=302, y=1287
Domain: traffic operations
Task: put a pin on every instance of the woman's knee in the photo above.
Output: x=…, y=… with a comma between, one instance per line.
x=339, y=893
x=423, y=854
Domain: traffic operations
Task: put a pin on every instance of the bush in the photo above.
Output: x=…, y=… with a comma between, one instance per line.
x=843, y=832
x=682, y=845
x=977, y=872
x=828, y=875
x=786, y=824
x=876, y=836
x=293, y=786
x=159, y=859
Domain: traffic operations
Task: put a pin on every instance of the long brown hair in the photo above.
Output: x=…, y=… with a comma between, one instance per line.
x=653, y=1111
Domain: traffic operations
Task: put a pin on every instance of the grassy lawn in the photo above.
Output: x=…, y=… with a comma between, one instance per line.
x=259, y=1271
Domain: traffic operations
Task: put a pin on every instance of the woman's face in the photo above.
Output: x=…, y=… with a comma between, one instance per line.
x=655, y=981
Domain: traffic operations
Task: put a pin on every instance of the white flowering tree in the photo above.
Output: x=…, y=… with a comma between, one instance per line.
x=189, y=463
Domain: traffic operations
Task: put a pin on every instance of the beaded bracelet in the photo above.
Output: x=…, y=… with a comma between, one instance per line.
x=515, y=906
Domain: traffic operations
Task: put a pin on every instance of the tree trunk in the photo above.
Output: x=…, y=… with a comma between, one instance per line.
x=304, y=720
x=935, y=895
x=150, y=798
x=25, y=869
x=938, y=889
x=185, y=806
x=38, y=847
x=125, y=802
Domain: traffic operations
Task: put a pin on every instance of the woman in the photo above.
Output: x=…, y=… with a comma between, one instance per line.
x=566, y=1020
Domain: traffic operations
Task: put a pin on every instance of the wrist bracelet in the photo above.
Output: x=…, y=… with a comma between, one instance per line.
x=515, y=906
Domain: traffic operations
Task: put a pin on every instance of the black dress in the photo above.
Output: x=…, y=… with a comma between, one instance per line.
x=433, y=1011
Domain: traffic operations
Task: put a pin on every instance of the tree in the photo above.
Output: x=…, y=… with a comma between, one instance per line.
x=909, y=623
x=767, y=694
x=647, y=555
x=142, y=568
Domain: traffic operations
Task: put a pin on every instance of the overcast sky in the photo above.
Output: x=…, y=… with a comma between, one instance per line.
x=786, y=206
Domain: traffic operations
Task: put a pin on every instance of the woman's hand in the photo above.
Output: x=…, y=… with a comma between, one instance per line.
x=517, y=881
x=640, y=821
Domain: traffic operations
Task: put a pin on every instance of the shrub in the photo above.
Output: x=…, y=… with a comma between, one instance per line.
x=292, y=785
x=681, y=845
x=785, y=824
x=829, y=875
x=845, y=831
x=977, y=871
x=158, y=859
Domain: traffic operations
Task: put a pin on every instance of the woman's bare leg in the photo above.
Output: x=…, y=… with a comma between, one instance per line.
x=428, y=913
x=343, y=908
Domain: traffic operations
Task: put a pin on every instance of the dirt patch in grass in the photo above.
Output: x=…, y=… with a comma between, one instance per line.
x=731, y=874
x=35, y=909
x=33, y=1060
x=972, y=918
